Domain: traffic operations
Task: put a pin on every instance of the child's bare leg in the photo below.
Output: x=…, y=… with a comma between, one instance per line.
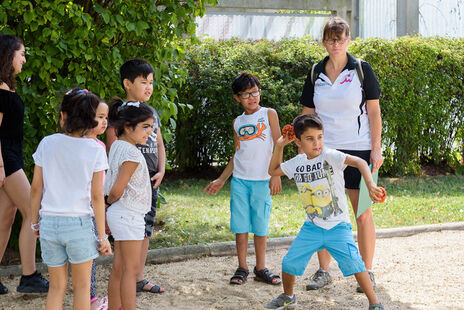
x=241, y=242
x=58, y=282
x=366, y=230
x=80, y=274
x=114, y=283
x=143, y=258
x=365, y=283
x=288, y=281
x=260, y=251
x=130, y=252
x=324, y=259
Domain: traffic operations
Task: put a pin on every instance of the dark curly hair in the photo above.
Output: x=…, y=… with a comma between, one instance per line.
x=80, y=108
x=128, y=115
x=8, y=46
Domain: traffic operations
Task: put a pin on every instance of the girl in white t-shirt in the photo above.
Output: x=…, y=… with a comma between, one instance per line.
x=68, y=175
x=128, y=194
x=101, y=116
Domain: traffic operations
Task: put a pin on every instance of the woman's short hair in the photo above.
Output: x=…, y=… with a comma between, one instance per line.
x=335, y=28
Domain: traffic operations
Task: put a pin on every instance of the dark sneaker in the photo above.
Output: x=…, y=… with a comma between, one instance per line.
x=34, y=283
x=282, y=302
x=3, y=289
x=376, y=307
x=320, y=279
x=371, y=276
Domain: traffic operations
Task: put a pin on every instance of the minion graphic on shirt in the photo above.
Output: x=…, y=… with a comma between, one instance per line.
x=320, y=201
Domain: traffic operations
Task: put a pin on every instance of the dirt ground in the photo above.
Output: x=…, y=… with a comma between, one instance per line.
x=424, y=271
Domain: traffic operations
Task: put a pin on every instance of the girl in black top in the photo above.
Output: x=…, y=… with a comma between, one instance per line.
x=14, y=185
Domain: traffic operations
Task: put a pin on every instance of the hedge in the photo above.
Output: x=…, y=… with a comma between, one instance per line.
x=422, y=97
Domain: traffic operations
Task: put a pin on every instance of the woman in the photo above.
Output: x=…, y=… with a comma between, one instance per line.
x=14, y=185
x=350, y=112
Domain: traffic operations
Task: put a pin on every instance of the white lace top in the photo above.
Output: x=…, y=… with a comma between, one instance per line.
x=137, y=194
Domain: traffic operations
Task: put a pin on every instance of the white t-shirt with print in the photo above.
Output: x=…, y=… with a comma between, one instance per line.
x=254, y=149
x=68, y=164
x=321, y=186
x=137, y=194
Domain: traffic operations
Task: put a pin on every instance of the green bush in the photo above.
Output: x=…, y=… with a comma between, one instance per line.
x=422, y=97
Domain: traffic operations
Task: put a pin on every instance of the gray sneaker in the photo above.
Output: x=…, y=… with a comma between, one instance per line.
x=371, y=276
x=376, y=307
x=320, y=279
x=282, y=302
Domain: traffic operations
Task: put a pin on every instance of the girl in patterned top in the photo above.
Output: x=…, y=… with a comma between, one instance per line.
x=128, y=190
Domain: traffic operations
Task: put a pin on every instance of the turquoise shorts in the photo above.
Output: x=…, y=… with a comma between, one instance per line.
x=67, y=239
x=250, y=206
x=312, y=238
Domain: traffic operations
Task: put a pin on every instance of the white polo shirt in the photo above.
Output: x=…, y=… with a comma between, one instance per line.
x=342, y=105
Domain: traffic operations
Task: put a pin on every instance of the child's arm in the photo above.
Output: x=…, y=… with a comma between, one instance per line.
x=214, y=186
x=36, y=195
x=110, y=137
x=125, y=173
x=158, y=177
x=98, y=204
x=374, y=192
x=277, y=156
x=275, y=184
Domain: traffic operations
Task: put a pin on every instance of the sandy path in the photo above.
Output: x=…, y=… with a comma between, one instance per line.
x=425, y=271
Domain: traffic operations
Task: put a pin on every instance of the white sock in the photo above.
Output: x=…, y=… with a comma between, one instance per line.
x=290, y=296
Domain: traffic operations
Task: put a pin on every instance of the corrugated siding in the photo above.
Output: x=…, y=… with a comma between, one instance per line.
x=441, y=17
x=378, y=18
x=268, y=26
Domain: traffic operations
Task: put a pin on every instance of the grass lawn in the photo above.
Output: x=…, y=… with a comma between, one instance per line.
x=191, y=217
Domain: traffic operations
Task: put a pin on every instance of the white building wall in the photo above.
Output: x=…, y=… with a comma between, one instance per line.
x=254, y=26
x=441, y=18
x=377, y=19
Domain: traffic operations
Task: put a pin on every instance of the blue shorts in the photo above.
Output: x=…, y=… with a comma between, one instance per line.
x=250, y=206
x=67, y=239
x=338, y=241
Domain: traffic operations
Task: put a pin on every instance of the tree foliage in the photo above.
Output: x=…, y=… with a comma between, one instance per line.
x=83, y=43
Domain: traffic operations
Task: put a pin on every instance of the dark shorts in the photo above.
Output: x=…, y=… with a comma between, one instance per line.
x=150, y=216
x=12, y=153
x=351, y=174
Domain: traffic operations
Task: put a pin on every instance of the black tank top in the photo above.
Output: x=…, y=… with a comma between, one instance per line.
x=12, y=108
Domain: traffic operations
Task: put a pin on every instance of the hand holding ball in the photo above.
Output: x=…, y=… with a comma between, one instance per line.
x=383, y=196
x=287, y=131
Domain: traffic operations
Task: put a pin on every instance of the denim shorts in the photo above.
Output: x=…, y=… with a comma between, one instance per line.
x=250, y=206
x=67, y=239
x=338, y=241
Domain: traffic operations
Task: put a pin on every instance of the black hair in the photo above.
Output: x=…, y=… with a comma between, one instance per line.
x=122, y=114
x=134, y=68
x=303, y=122
x=243, y=82
x=8, y=46
x=80, y=108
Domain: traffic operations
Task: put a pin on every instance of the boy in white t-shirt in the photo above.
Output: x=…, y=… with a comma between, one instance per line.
x=255, y=132
x=318, y=174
